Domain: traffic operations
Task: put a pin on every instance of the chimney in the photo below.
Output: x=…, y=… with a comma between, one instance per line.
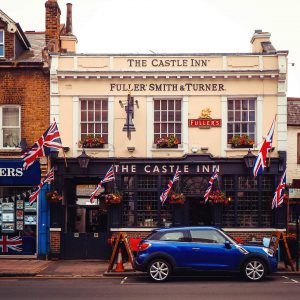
x=261, y=42
x=52, y=25
x=68, y=40
x=69, y=19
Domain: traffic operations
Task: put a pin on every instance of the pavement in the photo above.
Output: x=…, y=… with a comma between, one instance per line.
x=79, y=269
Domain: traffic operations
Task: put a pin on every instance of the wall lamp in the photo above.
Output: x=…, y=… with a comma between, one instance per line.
x=249, y=160
x=83, y=160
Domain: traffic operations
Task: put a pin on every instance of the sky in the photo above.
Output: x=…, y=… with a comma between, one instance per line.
x=173, y=26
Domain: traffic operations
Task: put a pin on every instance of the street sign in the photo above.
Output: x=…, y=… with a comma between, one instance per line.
x=294, y=193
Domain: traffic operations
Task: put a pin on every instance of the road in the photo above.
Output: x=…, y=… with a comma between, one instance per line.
x=112, y=288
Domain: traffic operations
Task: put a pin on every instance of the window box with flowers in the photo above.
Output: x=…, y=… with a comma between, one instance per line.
x=91, y=141
x=176, y=198
x=170, y=141
x=53, y=197
x=241, y=141
x=113, y=198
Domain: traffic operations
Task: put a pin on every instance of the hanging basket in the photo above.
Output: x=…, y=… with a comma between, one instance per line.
x=177, y=198
x=54, y=197
x=113, y=198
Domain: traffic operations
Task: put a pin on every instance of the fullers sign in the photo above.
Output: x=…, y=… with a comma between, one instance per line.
x=205, y=123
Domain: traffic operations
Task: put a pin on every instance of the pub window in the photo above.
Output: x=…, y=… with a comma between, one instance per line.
x=167, y=118
x=247, y=183
x=266, y=208
x=94, y=118
x=247, y=209
x=147, y=209
x=147, y=182
x=10, y=126
x=228, y=182
x=298, y=148
x=128, y=218
x=229, y=209
x=1, y=43
x=267, y=183
x=241, y=118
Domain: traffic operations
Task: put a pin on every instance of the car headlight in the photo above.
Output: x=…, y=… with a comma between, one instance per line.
x=269, y=251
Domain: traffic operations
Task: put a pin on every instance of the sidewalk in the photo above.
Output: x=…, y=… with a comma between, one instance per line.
x=77, y=269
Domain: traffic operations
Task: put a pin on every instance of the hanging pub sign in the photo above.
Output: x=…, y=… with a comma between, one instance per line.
x=205, y=121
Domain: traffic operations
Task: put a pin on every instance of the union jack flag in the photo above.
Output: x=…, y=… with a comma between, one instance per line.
x=213, y=177
x=164, y=195
x=42, y=147
x=279, y=192
x=110, y=176
x=261, y=159
x=10, y=243
x=47, y=179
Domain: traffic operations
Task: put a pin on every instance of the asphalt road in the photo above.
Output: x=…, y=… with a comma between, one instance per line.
x=141, y=289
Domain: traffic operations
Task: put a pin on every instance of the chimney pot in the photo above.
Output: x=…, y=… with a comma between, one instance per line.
x=69, y=19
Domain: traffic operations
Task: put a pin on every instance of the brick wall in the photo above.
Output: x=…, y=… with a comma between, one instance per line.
x=30, y=89
x=9, y=43
x=54, y=242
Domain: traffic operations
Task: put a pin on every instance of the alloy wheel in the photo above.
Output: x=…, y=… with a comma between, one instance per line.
x=159, y=270
x=254, y=270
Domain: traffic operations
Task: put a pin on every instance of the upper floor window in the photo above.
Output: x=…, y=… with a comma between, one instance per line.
x=1, y=43
x=241, y=118
x=298, y=148
x=10, y=126
x=94, y=121
x=167, y=119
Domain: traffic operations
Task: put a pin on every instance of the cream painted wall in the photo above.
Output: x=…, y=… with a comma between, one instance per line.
x=111, y=77
x=293, y=169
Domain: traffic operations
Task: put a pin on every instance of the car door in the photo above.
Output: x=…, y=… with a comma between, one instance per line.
x=207, y=251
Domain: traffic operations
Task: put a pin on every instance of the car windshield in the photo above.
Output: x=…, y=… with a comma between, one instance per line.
x=230, y=238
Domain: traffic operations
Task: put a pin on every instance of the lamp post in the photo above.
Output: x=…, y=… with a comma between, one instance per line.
x=83, y=160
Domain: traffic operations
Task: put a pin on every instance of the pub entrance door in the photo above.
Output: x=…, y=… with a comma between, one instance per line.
x=199, y=213
x=88, y=233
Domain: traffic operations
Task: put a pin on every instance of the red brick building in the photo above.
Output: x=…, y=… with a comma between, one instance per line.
x=24, y=116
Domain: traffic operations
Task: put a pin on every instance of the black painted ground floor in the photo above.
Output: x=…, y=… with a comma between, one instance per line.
x=139, y=182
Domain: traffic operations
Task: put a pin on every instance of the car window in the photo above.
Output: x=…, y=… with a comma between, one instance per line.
x=173, y=236
x=207, y=236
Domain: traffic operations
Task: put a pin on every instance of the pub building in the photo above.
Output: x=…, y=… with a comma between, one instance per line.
x=147, y=114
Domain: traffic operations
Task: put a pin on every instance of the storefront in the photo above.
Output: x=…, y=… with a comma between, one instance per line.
x=18, y=220
x=147, y=114
x=86, y=227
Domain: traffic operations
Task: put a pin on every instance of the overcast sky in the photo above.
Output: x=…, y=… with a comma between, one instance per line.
x=173, y=26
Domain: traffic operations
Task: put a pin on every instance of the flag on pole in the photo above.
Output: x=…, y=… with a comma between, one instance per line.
x=279, y=192
x=213, y=177
x=42, y=147
x=47, y=179
x=261, y=159
x=164, y=195
x=110, y=176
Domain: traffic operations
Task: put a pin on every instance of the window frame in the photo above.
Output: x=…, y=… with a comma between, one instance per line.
x=94, y=122
x=241, y=99
x=2, y=43
x=174, y=122
x=298, y=148
x=1, y=124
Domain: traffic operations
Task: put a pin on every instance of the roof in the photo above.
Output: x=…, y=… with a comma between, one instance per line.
x=37, y=42
x=293, y=112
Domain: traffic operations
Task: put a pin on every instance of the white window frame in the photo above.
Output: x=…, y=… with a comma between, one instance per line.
x=2, y=44
x=1, y=125
x=181, y=122
x=95, y=99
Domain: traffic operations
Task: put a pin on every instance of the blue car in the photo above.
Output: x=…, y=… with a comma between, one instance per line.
x=167, y=251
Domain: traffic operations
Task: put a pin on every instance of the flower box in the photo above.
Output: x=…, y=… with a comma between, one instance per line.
x=241, y=141
x=167, y=142
x=113, y=198
x=217, y=197
x=92, y=142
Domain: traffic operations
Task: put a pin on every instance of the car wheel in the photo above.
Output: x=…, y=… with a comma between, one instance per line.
x=254, y=269
x=159, y=270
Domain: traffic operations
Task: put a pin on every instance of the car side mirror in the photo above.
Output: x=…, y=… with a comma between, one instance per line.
x=227, y=245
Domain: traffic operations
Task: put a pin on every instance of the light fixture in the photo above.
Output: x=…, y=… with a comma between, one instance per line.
x=194, y=149
x=249, y=159
x=130, y=149
x=83, y=160
x=204, y=149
